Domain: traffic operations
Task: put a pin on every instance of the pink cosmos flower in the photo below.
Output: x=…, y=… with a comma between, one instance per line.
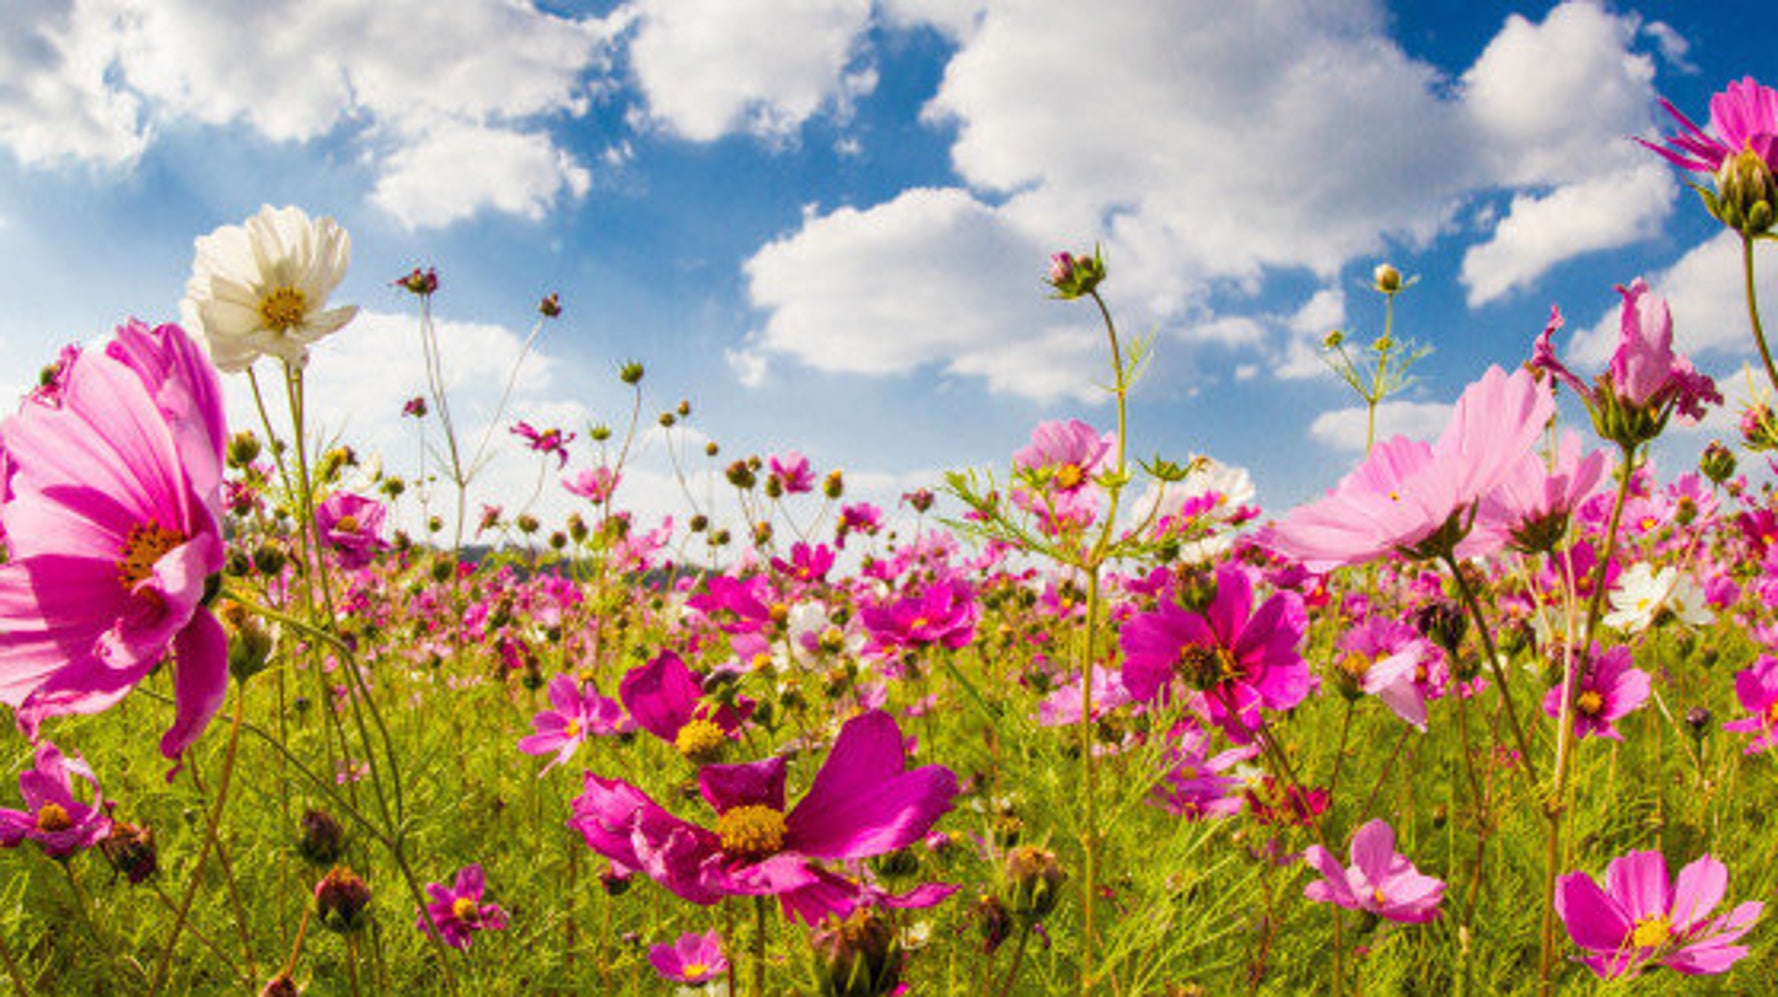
x=60, y=824
x=861, y=517
x=944, y=612
x=351, y=526
x=579, y=712
x=807, y=565
x=792, y=471
x=1743, y=116
x=1644, y=373
x=457, y=910
x=1606, y=690
x=1391, y=661
x=112, y=521
x=1065, y=454
x=1757, y=689
x=545, y=441
x=1532, y=504
x=1239, y=657
x=694, y=959
x=1380, y=881
x=863, y=802
x=1194, y=786
x=665, y=698
x=596, y=486
x=1409, y=496
x=1640, y=919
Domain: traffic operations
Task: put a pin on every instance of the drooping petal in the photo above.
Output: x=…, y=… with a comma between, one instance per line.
x=200, y=681
x=862, y=802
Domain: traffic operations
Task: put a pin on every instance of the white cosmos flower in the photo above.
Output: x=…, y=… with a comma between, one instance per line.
x=262, y=287
x=1644, y=593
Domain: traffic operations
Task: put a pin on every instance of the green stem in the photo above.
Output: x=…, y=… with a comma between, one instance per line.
x=1018, y=960
x=1759, y=332
x=1492, y=656
x=761, y=913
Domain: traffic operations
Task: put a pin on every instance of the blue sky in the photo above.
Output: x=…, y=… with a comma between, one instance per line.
x=825, y=222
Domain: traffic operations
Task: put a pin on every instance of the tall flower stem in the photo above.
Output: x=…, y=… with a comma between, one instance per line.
x=1094, y=561
x=761, y=917
x=1492, y=656
x=1556, y=804
x=1759, y=331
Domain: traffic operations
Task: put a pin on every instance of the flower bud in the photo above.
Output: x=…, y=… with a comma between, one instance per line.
x=1717, y=462
x=269, y=558
x=340, y=900
x=323, y=840
x=420, y=282
x=1386, y=279
x=415, y=407
x=1746, y=194
x=550, y=306
x=741, y=476
x=993, y=920
x=243, y=449
x=279, y=986
x=859, y=956
x=631, y=373
x=1034, y=881
x=1076, y=276
x=249, y=644
x=1759, y=428
x=1444, y=624
x=834, y=485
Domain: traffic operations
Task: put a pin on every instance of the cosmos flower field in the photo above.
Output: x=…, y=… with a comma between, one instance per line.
x=1496, y=714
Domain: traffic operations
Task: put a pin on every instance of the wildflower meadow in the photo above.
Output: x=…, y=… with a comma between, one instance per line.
x=1494, y=715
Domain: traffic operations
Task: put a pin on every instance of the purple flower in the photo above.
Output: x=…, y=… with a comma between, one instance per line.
x=111, y=516
x=579, y=712
x=545, y=441
x=944, y=612
x=59, y=823
x=1606, y=690
x=1757, y=689
x=1194, y=787
x=457, y=910
x=793, y=473
x=1380, y=881
x=1640, y=918
x=351, y=526
x=694, y=959
x=1743, y=116
x=863, y=802
x=1065, y=455
x=664, y=697
x=1644, y=376
x=1240, y=657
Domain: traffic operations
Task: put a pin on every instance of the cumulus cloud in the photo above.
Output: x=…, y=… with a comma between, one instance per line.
x=707, y=68
x=401, y=76
x=1538, y=232
x=1344, y=429
x=1208, y=145
x=453, y=171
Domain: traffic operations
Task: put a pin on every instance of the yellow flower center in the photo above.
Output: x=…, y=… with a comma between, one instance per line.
x=698, y=739
x=283, y=309
x=1355, y=665
x=693, y=970
x=53, y=818
x=1772, y=714
x=464, y=909
x=1378, y=898
x=751, y=832
x=573, y=729
x=920, y=623
x=1651, y=933
x=1590, y=703
x=1069, y=477
x=145, y=545
x=346, y=524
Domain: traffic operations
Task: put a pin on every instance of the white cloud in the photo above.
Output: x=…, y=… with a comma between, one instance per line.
x=1538, y=232
x=1344, y=429
x=711, y=67
x=455, y=170
x=932, y=278
x=1305, y=330
x=1674, y=48
x=409, y=78
x=750, y=367
x=955, y=19
x=56, y=105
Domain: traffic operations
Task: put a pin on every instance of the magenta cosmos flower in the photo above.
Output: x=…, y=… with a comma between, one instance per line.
x=793, y=473
x=694, y=959
x=863, y=802
x=59, y=823
x=457, y=910
x=1418, y=498
x=665, y=698
x=1757, y=689
x=1380, y=881
x=1065, y=455
x=580, y=712
x=944, y=612
x=596, y=486
x=112, y=523
x=1645, y=374
x=1639, y=918
x=1742, y=117
x=351, y=526
x=1608, y=689
x=545, y=441
x=1239, y=657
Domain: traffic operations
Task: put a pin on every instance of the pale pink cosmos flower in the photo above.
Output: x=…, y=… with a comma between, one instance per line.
x=1641, y=919
x=1534, y=501
x=579, y=712
x=1380, y=881
x=1409, y=496
x=596, y=486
